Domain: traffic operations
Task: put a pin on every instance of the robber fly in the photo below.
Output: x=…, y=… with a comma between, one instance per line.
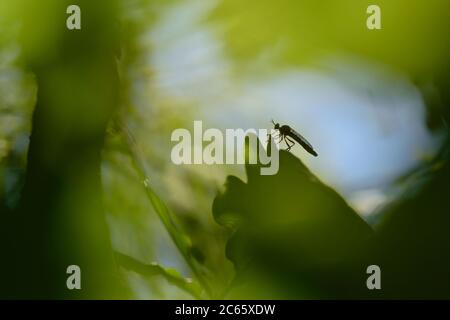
x=290, y=136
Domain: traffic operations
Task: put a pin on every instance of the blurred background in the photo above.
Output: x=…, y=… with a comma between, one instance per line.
x=374, y=103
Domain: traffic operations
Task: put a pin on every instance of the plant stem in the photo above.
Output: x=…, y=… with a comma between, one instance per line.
x=181, y=240
x=154, y=269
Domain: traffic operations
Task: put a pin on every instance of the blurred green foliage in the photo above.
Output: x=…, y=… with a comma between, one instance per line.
x=295, y=229
x=412, y=37
x=94, y=185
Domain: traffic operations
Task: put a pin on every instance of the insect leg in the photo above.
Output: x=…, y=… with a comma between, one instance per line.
x=281, y=137
x=291, y=141
x=289, y=146
x=273, y=136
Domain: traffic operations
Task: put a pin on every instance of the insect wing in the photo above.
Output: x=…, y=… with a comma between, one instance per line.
x=302, y=141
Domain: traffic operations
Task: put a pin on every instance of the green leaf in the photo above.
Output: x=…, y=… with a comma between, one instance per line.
x=154, y=269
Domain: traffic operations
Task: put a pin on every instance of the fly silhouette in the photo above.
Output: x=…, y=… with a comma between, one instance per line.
x=290, y=136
